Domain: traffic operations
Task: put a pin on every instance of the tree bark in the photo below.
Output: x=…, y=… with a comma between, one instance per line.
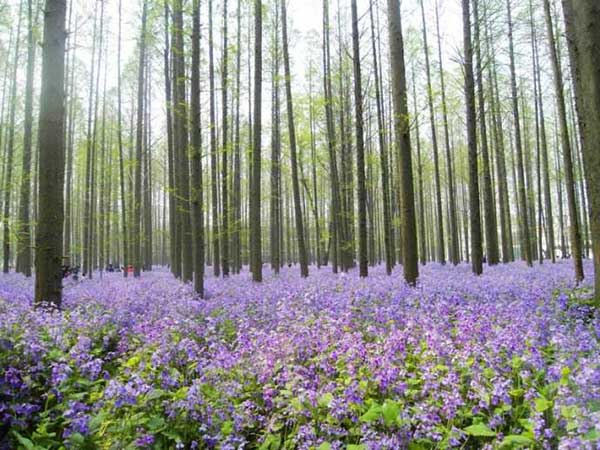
x=402, y=141
x=49, y=236
x=575, y=233
x=474, y=208
x=582, y=24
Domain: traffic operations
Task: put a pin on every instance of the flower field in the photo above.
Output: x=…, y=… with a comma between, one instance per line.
x=510, y=359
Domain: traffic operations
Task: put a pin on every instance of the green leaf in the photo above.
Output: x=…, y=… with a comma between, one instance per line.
x=324, y=446
x=542, y=404
x=271, y=442
x=356, y=447
x=156, y=423
x=372, y=414
x=24, y=441
x=480, y=430
x=227, y=428
x=77, y=438
x=133, y=361
x=592, y=435
x=326, y=400
x=515, y=441
x=390, y=411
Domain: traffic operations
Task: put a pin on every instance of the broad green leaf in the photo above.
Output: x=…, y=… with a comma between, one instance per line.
x=542, y=404
x=324, y=446
x=356, y=447
x=372, y=414
x=390, y=411
x=480, y=430
x=326, y=400
x=24, y=441
x=515, y=441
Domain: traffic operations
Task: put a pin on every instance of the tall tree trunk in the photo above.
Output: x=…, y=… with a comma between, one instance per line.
x=237, y=186
x=11, y=150
x=124, y=229
x=181, y=141
x=255, y=200
x=196, y=185
x=474, y=208
x=383, y=158
x=582, y=24
x=49, y=236
x=213, y=149
x=275, y=209
x=524, y=216
x=575, y=233
x=24, y=243
x=491, y=224
x=137, y=209
x=175, y=243
x=421, y=190
x=335, y=207
x=441, y=243
x=225, y=152
x=402, y=137
x=452, y=222
x=303, y=257
x=360, y=148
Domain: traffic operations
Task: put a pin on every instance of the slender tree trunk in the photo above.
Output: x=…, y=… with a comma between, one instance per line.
x=582, y=24
x=575, y=233
x=335, y=207
x=237, y=186
x=11, y=150
x=474, y=208
x=441, y=254
x=24, y=243
x=225, y=152
x=383, y=158
x=402, y=136
x=196, y=185
x=303, y=257
x=175, y=243
x=181, y=141
x=255, y=200
x=137, y=221
x=491, y=225
x=360, y=148
x=275, y=209
x=49, y=236
x=524, y=216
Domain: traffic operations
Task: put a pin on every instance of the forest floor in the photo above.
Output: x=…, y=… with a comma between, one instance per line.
x=510, y=359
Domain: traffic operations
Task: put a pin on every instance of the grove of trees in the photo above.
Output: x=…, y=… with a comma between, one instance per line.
x=204, y=133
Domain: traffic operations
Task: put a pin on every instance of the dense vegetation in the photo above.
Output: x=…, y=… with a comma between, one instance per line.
x=510, y=359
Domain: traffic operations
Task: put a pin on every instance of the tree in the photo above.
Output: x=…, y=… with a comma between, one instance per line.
x=255, y=224
x=441, y=254
x=402, y=142
x=582, y=20
x=214, y=184
x=360, y=148
x=293, y=157
x=49, y=237
x=24, y=243
x=180, y=148
x=521, y=188
x=225, y=152
x=491, y=225
x=474, y=208
x=10, y=151
x=196, y=163
x=383, y=158
x=575, y=233
x=137, y=210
